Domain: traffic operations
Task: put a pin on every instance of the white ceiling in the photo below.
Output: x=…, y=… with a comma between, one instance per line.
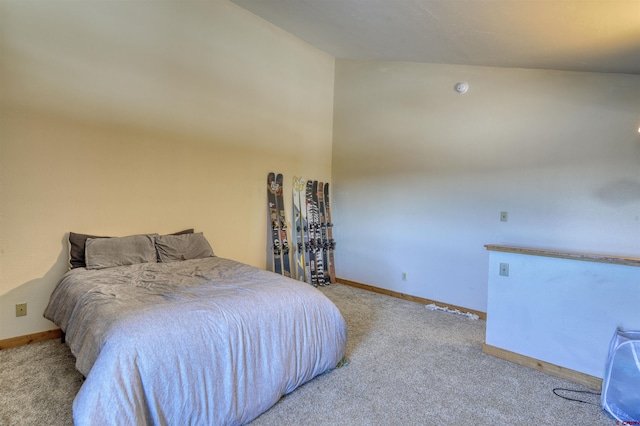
x=576, y=35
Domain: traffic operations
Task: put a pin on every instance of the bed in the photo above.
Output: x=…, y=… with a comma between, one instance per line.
x=167, y=336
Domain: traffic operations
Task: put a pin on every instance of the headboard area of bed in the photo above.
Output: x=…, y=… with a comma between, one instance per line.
x=77, y=246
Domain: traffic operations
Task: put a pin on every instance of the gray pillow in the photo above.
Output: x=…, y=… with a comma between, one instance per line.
x=172, y=248
x=76, y=247
x=103, y=253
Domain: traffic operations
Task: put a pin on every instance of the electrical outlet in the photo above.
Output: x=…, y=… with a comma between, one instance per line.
x=21, y=309
x=504, y=269
x=504, y=216
x=404, y=276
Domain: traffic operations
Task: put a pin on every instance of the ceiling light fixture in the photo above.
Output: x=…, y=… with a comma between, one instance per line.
x=461, y=87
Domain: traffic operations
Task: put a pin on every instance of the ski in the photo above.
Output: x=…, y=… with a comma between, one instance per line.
x=305, y=230
x=284, y=241
x=324, y=243
x=274, y=233
x=311, y=235
x=317, y=234
x=331, y=242
x=299, y=228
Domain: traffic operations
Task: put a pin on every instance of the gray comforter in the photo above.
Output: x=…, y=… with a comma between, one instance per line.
x=207, y=341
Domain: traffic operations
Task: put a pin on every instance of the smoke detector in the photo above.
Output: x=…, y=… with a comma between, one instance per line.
x=461, y=87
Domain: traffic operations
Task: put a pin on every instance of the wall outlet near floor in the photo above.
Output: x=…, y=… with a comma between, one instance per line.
x=21, y=309
x=504, y=269
x=404, y=276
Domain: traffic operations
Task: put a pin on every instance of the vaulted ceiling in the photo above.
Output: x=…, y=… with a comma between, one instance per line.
x=575, y=35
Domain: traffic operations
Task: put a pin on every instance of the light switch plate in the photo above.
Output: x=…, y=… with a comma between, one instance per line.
x=504, y=269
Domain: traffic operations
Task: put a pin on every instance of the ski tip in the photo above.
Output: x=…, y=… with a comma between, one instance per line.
x=298, y=184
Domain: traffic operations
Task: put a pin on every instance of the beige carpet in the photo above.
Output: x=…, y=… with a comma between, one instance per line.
x=408, y=366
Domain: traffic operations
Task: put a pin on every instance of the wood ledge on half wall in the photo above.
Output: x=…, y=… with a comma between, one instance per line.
x=587, y=257
x=480, y=314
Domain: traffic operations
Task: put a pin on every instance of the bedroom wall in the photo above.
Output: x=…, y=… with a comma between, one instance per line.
x=133, y=117
x=431, y=170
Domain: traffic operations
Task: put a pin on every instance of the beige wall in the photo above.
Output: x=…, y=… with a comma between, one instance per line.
x=134, y=117
x=431, y=170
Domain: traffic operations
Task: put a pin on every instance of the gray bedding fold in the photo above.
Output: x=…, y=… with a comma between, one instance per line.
x=205, y=341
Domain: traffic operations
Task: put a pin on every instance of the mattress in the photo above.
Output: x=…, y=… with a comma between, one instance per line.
x=203, y=341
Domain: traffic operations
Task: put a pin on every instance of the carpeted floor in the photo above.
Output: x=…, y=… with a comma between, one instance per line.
x=408, y=365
